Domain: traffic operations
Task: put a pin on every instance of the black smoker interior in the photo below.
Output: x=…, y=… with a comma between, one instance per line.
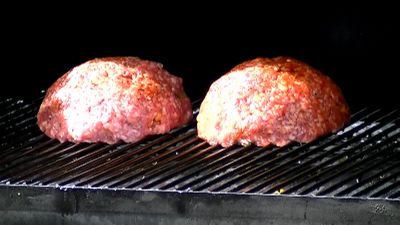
x=354, y=46
x=349, y=177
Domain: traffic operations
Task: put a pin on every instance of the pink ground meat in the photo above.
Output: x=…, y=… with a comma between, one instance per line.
x=271, y=101
x=112, y=99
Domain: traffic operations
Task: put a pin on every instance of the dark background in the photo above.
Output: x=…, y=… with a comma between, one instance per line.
x=356, y=46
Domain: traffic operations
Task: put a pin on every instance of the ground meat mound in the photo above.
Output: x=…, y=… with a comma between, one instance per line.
x=271, y=101
x=112, y=99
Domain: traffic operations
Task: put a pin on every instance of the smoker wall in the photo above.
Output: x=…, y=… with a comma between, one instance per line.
x=77, y=206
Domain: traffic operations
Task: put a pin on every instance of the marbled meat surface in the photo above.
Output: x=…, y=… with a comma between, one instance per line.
x=271, y=101
x=112, y=99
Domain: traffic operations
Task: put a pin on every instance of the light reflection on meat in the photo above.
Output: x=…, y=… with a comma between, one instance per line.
x=112, y=99
x=275, y=101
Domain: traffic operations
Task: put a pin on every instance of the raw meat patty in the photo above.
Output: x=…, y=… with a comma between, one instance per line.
x=112, y=99
x=276, y=101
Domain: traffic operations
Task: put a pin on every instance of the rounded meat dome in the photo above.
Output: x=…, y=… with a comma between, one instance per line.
x=276, y=101
x=112, y=99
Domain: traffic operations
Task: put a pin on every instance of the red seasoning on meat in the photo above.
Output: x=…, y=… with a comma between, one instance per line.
x=275, y=101
x=112, y=99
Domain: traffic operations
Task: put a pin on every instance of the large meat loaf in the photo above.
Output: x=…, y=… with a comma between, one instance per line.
x=276, y=101
x=112, y=99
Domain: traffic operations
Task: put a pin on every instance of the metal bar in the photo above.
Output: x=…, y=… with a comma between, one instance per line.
x=12, y=106
x=351, y=166
x=253, y=174
x=88, y=169
x=27, y=144
x=387, y=189
x=144, y=165
x=175, y=169
x=246, y=159
x=294, y=169
x=179, y=174
x=14, y=111
x=11, y=120
x=25, y=155
x=37, y=160
x=116, y=166
x=322, y=165
x=71, y=165
x=377, y=184
x=92, y=166
x=24, y=131
x=4, y=102
x=363, y=182
x=160, y=168
x=198, y=172
x=396, y=194
x=58, y=164
x=358, y=174
x=280, y=169
x=243, y=186
x=20, y=140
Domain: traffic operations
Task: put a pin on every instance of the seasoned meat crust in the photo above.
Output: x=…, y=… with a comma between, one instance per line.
x=275, y=101
x=112, y=99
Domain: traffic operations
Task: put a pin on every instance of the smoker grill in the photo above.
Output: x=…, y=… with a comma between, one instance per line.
x=351, y=176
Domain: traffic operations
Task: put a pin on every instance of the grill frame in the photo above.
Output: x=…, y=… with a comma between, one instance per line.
x=49, y=205
x=180, y=165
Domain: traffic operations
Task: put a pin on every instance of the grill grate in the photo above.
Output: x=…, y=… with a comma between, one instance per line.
x=361, y=160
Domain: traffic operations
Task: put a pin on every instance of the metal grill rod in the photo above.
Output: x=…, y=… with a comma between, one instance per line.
x=198, y=170
x=125, y=162
x=352, y=159
x=160, y=168
x=388, y=188
x=92, y=165
x=70, y=164
x=5, y=101
x=322, y=165
x=10, y=121
x=146, y=164
x=27, y=156
x=42, y=167
x=377, y=184
x=294, y=170
x=396, y=194
x=9, y=108
x=88, y=169
x=16, y=116
x=173, y=170
x=14, y=137
x=193, y=166
x=358, y=174
x=364, y=181
x=246, y=159
x=9, y=151
x=234, y=180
